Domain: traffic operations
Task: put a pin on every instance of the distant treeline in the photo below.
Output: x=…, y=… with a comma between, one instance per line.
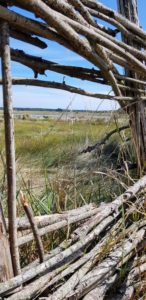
x=57, y=110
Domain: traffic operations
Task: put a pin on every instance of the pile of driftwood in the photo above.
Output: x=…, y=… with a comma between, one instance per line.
x=105, y=253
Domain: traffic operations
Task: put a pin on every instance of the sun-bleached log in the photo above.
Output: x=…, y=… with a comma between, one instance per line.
x=55, y=226
x=117, y=24
x=39, y=66
x=82, y=47
x=33, y=27
x=113, y=207
x=97, y=6
x=58, y=259
x=71, y=89
x=53, y=19
x=42, y=284
x=107, y=267
x=101, y=289
x=89, y=32
x=115, y=15
x=6, y=270
x=35, y=288
x=78, y=276
x=129, y=194
x=79, y=246
x=9, y=146
x=68, y=10
x=62, y=86
x=42, y=221
x=124, y=78
x=63, y=245
x=65, y=291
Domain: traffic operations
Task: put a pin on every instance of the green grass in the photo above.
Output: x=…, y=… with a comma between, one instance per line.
x=49, y=167
x=48, y=142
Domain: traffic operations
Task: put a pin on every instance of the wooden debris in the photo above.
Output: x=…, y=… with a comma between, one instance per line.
x=90, y=261
x=6, y=270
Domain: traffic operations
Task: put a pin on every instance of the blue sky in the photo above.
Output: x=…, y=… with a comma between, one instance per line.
x=24, y=96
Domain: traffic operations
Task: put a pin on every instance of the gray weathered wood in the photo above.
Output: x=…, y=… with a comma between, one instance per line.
x=10, y=146
x=6, y=270
x=135, y=111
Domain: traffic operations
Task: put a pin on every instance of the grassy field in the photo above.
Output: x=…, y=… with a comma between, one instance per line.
x=53, y=173
x=50, y=167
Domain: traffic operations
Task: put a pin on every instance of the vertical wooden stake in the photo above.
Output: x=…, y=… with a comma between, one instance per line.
x=128, y=8
x=29, y=213
x=10, y=146
x=6, y=271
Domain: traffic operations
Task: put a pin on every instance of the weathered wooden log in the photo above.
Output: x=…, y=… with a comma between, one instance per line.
x=63, y=245
x=9, y=145
x=44, y=220
x=71, y=89
x=6, y=270
x=65, y=87
x=135, y=111
x=134, y=273
x=27, y=38
x=80, y=28
x=34, y=288
x=137, y=81
x=55, y=226
x=8, y=286
x=33, y=27
x=101, y=290
x=84, y=50
x=101, y=251
x=54, y=19
x=107, y=267
x=111, y=208
x=40, y=285
x=39, y=66
x=115, y=15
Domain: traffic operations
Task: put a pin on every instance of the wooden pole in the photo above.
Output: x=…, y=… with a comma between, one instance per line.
x=6, y=271
x=10, y=146
x=136, y=111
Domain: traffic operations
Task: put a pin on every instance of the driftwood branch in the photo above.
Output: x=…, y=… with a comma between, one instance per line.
x=42, y=221
x=105, y=139
x=106, y=217
x=35, y=231
x=71, y=89
x=55, y=226
x=27, y=38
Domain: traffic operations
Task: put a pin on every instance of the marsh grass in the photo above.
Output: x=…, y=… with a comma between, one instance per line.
x=50, y=168
x=55, y=176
